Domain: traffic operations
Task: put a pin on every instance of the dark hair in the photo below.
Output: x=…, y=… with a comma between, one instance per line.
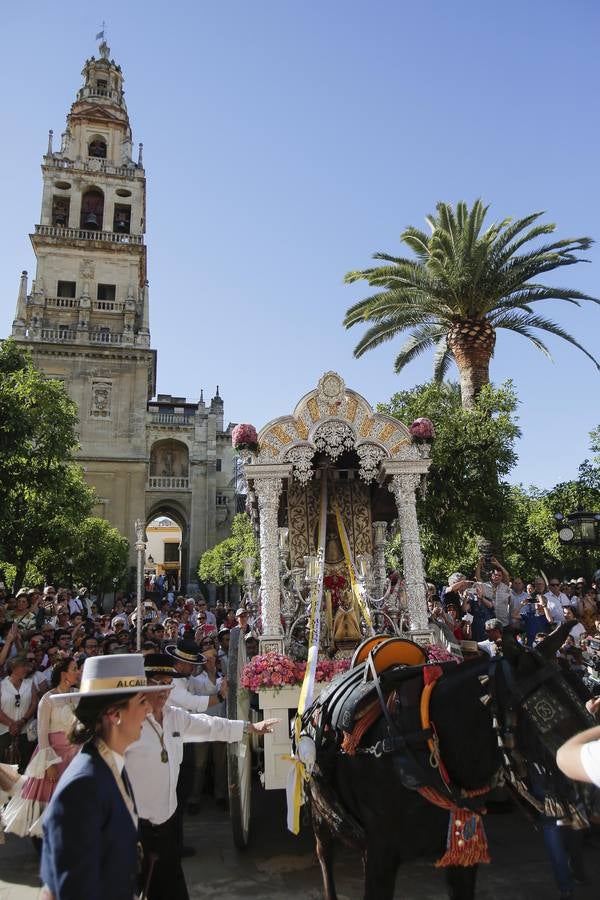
x=57, y=670
x=89, y=712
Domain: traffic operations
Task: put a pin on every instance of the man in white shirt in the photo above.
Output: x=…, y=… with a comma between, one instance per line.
x=556, y=600
x=493, y=630
x=153, y=765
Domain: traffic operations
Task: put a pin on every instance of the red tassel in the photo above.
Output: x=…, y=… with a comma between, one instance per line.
x=467, y=842
x=432, y=673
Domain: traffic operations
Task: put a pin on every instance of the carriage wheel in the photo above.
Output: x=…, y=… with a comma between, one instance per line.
x=239, y=756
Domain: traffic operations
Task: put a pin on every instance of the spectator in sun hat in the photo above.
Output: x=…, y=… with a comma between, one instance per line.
x=241, y=618
x=90, y=828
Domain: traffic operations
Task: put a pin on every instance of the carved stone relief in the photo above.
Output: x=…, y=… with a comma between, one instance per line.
x=87, y=269
x=101, y=400
x=333, y=438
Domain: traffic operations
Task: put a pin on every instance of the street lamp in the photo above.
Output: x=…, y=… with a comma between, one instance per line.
x=140, y=546
x=579, y=528
x=70, y=562
x=227, y=567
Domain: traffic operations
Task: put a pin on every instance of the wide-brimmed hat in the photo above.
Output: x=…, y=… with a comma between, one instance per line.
x=185, y=651
x=160, y=664
x=23, y=592
x=121, y=673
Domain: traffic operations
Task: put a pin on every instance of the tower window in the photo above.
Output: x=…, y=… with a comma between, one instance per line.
x=101, y=84
x=97, y=148
x=92, y=210
x=219, y=465
x=60, y=211
x=107, y=292
x=66, y=289
x=122, y=220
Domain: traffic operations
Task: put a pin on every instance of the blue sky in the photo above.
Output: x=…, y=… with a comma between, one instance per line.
x=285, y=142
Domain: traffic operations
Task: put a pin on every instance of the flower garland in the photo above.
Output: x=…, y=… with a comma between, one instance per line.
x=273, y=671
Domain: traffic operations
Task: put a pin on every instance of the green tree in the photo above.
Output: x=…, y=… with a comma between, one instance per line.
x=99, y=554
x=464, y=497
x=43, y=494
x=232, y=550
x=463, y=285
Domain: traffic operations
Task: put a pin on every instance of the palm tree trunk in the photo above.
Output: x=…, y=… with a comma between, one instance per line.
x=474, y=374
x=472, y=344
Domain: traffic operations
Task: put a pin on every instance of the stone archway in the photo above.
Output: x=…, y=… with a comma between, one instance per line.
x=172, y=510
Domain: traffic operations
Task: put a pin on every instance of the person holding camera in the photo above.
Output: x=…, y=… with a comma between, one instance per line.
x=535, y=613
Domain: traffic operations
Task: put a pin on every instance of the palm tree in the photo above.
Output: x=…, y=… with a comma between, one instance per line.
x=464, y=284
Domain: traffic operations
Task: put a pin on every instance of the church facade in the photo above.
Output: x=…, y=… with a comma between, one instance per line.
x=85, y=318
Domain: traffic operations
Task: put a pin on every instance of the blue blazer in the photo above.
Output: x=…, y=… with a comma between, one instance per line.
x=90, y=841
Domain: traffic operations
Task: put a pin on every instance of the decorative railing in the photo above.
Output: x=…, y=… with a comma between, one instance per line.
x=163, y=418
x=94, y=164
x=108, y=305
x=98, y=92
x=105, y=337
x=58, y=334
x=62, y=302
x=80, y=234
x=169, y=482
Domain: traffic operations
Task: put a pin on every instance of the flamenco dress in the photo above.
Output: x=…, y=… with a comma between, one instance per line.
x=24, y=814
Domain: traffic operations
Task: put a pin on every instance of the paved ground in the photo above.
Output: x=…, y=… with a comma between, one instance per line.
x=278, y=866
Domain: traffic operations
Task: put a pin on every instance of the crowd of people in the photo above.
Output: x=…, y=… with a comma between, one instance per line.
x=476, y=609
x=48, y=640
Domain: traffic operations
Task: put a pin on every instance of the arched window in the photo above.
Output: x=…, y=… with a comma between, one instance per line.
x=92, y=210
x=97, y=148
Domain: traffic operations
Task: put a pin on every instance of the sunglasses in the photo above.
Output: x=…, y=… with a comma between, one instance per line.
x=555, y=584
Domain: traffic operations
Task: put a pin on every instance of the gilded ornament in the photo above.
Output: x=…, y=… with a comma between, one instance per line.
x=313, y=408
x=386, y=432
x=351, y=408
x=281, y=434
x=367, y=426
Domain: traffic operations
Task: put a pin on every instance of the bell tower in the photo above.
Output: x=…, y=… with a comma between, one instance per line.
x=85, y=317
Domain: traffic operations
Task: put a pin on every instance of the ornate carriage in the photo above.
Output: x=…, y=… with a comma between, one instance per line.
x=324, y=485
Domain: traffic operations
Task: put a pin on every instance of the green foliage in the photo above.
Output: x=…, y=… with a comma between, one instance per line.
x=233, y=550
x=472, y=452
x=43, y=494
x=99, y=556
x=462, y=273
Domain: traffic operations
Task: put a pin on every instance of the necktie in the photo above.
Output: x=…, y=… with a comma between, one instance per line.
x=128, y=788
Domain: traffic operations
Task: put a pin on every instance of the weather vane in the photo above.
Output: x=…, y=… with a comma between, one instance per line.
x=104, y=48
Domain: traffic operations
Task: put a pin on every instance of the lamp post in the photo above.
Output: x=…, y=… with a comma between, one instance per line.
x=227, y=567
x=70, y=563
x=140, y=546
x=579, y=529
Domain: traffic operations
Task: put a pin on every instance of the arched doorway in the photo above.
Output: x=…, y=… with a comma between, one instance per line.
x=167, y=530
x=163, y=553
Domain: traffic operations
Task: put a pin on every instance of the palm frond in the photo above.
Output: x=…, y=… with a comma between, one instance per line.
x=420, y=340
x=515, y=321
x=442, y=360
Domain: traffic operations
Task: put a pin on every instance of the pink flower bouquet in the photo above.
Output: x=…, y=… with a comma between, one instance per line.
x=244, y=437
x=437, y=654
x=422, y=431
x=272, y=671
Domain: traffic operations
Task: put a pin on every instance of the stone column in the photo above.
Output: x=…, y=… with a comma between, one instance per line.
x=379, y=532
x=268, y=490
x=404, y=488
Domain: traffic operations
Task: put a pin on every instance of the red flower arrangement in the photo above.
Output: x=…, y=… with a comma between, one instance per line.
x=422, y=431
x=437, y=654
x=272, y=671
x=244, y=437
x=335, y=584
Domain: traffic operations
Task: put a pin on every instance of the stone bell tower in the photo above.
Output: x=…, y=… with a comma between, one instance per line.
x=85, y=317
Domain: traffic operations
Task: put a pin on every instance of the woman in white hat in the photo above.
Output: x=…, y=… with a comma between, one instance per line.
x=90, y=826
